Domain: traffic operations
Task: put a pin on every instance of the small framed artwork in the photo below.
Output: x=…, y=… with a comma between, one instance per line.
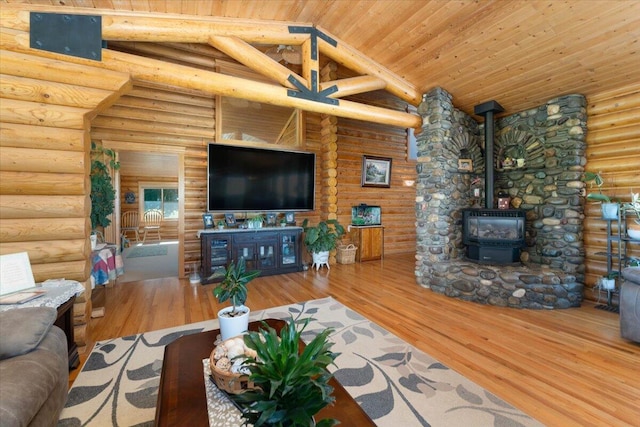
x=376, y=171
x=465, y=165
x=290, y=217
x=208, y=220
x=271, y=219
x=230, y=219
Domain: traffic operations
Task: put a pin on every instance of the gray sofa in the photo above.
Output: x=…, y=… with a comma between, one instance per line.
x=34, y=367
x=630, y=304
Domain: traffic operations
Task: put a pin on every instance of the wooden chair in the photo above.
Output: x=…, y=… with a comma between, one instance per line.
x=130, y=224
x=151, y=222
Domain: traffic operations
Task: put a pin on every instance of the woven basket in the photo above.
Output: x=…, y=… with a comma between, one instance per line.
x=346, y=254
x=228, y=381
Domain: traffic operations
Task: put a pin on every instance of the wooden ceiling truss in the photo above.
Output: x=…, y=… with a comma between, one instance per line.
x=238, y=39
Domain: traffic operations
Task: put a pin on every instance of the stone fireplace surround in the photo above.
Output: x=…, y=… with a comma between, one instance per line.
x=548, y=188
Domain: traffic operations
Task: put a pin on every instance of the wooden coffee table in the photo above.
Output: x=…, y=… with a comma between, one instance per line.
x=182, y=399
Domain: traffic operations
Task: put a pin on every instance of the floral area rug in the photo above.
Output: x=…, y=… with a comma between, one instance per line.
x=396, y=384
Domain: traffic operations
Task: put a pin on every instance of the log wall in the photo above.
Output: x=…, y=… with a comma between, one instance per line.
x=355, y=139
x=45, y=106
x=613, y=148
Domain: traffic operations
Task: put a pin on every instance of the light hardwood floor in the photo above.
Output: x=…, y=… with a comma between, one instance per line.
x=562, y=367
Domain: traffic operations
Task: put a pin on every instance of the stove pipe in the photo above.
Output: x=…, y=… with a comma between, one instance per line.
x=487, y=110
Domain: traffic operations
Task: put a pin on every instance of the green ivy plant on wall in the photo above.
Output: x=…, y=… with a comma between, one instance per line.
x=103, y=160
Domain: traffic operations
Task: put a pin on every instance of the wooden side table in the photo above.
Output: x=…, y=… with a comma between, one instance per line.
x=370, y=241
x=65, y=322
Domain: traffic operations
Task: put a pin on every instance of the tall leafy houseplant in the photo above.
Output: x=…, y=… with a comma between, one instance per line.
x=102, y=192
x=293, y=384
x=322, y=237
x=233, y=320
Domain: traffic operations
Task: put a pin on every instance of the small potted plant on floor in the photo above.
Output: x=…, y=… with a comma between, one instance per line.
x=293, y=384
x=609, y=208
x=322, y=239
x=234, y=320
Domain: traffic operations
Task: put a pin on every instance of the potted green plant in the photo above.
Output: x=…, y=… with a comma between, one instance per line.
x=102, y=192
x=234, y=320
x=322, y=239
x=609, y=207
x=256, y=221
x=283, y=222
x=293, y=383
x=608, y=282
x=220, y=225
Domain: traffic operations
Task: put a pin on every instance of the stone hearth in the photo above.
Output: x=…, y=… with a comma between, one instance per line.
x=548, y=188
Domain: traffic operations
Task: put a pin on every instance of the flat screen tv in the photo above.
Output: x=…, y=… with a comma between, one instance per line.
x=243, y=179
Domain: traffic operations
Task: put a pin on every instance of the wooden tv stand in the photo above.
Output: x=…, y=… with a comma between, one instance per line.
x=272, y=250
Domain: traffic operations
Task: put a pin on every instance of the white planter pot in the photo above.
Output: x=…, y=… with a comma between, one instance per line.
x=608, y=284
x=320, y=259
x=634, y=233
x=610, y=210
x=233, y=326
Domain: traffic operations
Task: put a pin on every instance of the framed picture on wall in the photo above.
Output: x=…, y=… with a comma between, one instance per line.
x=208, y=220
x=465, y=165
x=271, y=219
x=290, y=217
x=376, y=171
x=230, y=219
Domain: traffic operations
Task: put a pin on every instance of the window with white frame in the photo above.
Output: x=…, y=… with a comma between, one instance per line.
x=160, y=196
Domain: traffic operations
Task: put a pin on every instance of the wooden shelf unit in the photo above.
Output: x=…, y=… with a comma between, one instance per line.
x=274, y=250
x=370, y=242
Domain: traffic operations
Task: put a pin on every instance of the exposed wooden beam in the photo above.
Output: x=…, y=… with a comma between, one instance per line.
x=346, y=55
x=131, y=26
x=220, y=84
x=156, y=27
x=353, y=85
x=215, y=83
x=248, y=55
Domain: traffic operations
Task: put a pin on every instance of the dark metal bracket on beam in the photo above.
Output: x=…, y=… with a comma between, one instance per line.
x=313, y=94
x=74, y=35
x=315, y=33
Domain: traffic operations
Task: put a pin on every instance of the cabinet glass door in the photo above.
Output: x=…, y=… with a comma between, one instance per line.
x=248, y=252
x=288, y=252
x=266, y=255
x=219, y=250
